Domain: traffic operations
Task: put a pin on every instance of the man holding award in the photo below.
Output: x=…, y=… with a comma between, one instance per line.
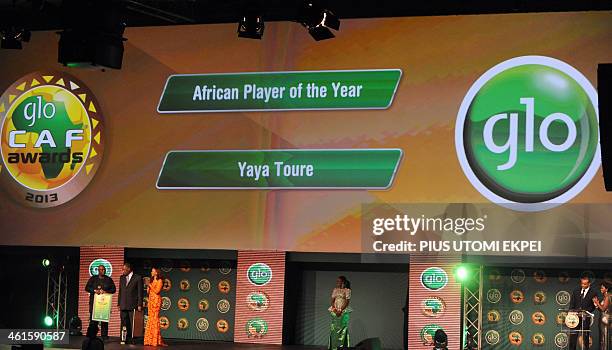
x=99, y=287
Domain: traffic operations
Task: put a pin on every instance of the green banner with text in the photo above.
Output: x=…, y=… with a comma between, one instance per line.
x=279, y=91
x=273, y=169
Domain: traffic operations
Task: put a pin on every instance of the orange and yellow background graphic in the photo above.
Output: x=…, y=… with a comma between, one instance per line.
x=440, y=58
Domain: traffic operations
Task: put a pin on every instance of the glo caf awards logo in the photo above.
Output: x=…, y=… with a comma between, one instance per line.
x=527, y=135
x=51, y=138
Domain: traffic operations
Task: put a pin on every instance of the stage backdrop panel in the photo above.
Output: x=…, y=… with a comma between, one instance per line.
x=112, y=259
x=198, y=297
x=434, y=301
x=526, y=306
x=377, y=301
x=259, y=297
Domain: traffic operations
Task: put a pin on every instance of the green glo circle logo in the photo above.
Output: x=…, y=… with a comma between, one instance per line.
x=259, y=274
x=93, y=267
x=434, y=278
x=526, y=134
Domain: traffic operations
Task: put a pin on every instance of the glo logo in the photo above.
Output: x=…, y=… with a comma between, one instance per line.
x=51, y=138
x=93, y=267
x=527, y=133
x=434, y=278
x=259, y=274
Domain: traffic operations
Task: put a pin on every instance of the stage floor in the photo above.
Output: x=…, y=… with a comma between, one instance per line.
x=114, y=344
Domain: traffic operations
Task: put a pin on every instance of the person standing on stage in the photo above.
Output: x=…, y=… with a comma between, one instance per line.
x=152, y=332
x=340, y=314
x=130, y=298
x=605, y=323
x=582, y=300
x=99, y=284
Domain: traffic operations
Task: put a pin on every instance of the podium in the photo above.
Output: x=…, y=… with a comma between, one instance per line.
x=574, y=323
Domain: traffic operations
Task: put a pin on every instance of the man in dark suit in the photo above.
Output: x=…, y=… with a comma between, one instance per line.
x=99, y=284
x=130, y=298
x=582, y=299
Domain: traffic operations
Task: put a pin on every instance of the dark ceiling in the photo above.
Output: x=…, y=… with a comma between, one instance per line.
x=46, y=14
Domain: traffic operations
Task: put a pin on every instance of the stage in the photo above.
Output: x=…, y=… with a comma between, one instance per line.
x=114, y=344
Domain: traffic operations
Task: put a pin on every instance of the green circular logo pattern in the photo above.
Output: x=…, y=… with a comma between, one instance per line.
x=93, y=267
x=527, y=133
x=434, y=278
x=256, y=327
x=428, y=332
x=259, y=274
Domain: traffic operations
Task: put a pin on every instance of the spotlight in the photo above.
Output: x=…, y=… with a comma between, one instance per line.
x=318, y=20
x=95, y=39
x=462, y=273
x=440, y=340
x=12, y=38
x=251, y=26
x=48, y=321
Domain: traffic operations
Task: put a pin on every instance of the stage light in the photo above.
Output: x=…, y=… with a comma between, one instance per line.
x=92, y=40
x=46, y=262
x=48, y=321
x=12, y=38
x=251, y=26
x=462, y=273
x=318, y=20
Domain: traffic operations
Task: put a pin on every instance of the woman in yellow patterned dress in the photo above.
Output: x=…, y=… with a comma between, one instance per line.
x=152, y=332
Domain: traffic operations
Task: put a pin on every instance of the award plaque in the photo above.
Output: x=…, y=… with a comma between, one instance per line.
x=102, y=307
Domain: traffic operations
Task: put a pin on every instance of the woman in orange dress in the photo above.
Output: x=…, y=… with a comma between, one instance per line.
x=152, y=332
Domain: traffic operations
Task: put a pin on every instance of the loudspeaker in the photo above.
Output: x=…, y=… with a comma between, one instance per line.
x=604, y=92
x=369, y=344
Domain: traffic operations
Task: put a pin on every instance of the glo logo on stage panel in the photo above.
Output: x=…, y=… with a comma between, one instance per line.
x=202, y=324
x=563, y=298
x=561, y=340
x=93, y=267
x=492, y=337
x=434, y=278
x=527, y=133
x=516, y=317
x=51, y=135
x=259, y=274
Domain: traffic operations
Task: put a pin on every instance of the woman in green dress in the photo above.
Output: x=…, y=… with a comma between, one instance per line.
x=605, y=323
x=340, y=314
